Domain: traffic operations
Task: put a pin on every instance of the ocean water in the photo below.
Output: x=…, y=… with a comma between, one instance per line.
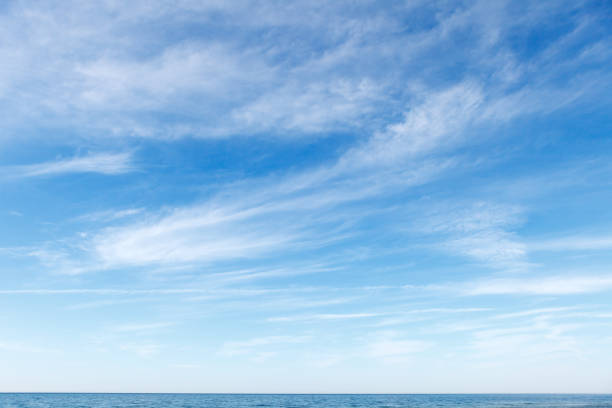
x=302, y=401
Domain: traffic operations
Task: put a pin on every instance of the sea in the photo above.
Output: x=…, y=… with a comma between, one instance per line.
x=39, y=400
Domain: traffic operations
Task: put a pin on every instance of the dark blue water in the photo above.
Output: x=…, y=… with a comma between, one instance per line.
x=301, y=401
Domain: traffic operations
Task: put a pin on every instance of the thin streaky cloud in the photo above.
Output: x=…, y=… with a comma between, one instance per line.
x=555, y=285
x=324, y=316
x=536, y=312
x=101, y=163
x=109, y=215
x=144, y=327
x=342, y=316
x=573, y=243
x=532, y=286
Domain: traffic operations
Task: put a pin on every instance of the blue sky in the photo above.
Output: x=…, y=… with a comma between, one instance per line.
x=208, y=196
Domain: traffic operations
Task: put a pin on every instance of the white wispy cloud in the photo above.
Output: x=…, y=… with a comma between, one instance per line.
x=390, y=318
x=109, y=215
x=294, y=212
x=522, y=285
x=317, y=69
x=101, y=303
x=179, y=70
x=156, y=291
x=573, y=243
x=266, y=217
x=320, y=107
x=103, y=86
x=434, y=124
x=323, y=316
x=190, y=236
x=551, y=285
x=244, y=275
x=101, y=163
x=417, y=315
x=540, y=340
x=481, y=230
x=535, y=312
x=242, y=227
x=143, y=327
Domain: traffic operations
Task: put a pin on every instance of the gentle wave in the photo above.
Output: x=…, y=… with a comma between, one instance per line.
x=35, y=400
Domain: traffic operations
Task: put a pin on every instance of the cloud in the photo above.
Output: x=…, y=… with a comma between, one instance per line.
x=247, y=90
x=94, y=78
x=191, y=235
x=99, y=303
x=299, y=210
x=481, y=230
x=320, y=107
x=553, y=285
x=524, y=285
x=541, y=340
x=109, y=215
x=263, y=218
x=146, y=327
x=498, y=248
x=313, y=70
x=535, y=312
x=411, y=316
x=434, y=124
x=323, y=316
x=254, y=219
x=178, y=72
x=101, y=163
x=243, y=275
x=110, y=291
x=572, y=243
x=393, y=317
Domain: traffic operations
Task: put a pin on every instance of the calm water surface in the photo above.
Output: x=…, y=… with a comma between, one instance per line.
x=300, y=401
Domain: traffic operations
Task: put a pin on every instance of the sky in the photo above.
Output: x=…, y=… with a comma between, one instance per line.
x=308, y=196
